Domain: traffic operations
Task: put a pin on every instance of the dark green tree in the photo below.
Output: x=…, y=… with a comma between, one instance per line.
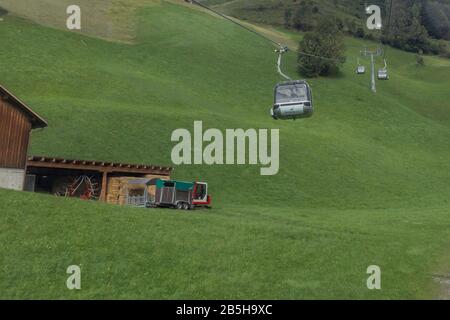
x=305, y=17
x=3, y=12
x=406, y=30
x=287, y=17
x=437, y=19
x=326, y=41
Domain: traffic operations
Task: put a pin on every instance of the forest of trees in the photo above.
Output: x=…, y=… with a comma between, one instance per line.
x=421, y=26
x=416, y=25
x=436, y=18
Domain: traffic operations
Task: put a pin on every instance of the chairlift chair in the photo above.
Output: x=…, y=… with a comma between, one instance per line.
x=293, y=100
x=360, y=70
x=383, y=72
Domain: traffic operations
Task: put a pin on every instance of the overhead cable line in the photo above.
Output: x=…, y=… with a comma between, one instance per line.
x=235, y=22
x=282, y=48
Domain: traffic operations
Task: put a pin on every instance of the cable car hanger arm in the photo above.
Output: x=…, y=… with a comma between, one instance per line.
x=280, y=54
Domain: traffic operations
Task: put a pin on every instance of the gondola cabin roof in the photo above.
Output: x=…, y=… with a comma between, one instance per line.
x=35, y=120
x=291, y=82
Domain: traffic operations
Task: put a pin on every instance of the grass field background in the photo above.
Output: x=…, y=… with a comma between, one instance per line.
x=365, y=181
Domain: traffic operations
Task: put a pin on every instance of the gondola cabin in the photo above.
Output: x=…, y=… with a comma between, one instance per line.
x=293, y=100
x=360, y=70
x=383, y=74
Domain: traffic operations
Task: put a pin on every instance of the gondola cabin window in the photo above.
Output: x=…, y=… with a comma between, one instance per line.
x=290, y=93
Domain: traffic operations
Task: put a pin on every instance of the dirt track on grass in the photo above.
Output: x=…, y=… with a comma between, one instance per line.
x=443, y=280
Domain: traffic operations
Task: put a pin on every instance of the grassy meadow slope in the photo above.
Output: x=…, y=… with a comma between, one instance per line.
x=365, y=181
x=107, y=19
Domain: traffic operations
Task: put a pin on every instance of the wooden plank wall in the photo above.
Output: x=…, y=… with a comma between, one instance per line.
x=15, y=131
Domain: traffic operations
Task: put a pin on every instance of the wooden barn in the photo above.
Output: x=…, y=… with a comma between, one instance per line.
x=16, y=122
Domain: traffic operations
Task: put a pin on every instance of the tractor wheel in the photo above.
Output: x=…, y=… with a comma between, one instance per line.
x=179, y=205
x=186, y=206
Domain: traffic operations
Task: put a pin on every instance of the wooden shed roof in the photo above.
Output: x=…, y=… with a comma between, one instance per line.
x=35, y=120
x=100, y=166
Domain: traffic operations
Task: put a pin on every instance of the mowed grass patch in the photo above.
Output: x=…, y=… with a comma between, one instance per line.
x=238, y=252
x=107, y=19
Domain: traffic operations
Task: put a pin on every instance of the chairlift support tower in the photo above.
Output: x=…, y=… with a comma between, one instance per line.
x=372, y=54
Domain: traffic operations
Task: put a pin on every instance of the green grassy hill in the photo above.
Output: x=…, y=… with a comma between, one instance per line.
x=365, y=181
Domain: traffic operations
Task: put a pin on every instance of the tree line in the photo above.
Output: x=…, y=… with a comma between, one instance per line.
x=421, y=26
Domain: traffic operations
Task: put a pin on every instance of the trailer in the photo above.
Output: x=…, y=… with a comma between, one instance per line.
x=171, y=194
x=180, y=194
